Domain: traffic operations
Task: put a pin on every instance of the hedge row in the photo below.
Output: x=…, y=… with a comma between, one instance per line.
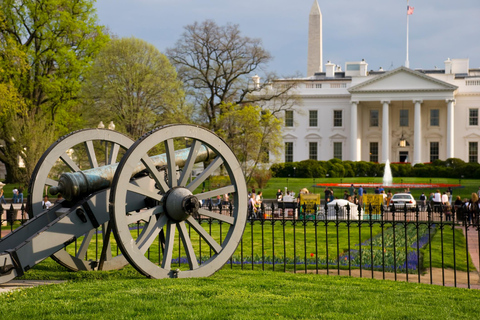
x=450, y=168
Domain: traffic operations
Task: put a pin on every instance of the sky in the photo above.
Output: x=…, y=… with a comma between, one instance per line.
x=374, y=30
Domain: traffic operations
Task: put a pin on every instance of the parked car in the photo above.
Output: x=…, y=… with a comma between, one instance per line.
x=400, y=199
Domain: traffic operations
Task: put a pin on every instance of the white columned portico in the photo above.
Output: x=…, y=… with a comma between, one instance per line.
x=417, y=134
x=354, y=131
x=385, y=132
x=450, y=127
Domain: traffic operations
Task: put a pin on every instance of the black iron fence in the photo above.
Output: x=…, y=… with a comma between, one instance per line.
x=439, y=245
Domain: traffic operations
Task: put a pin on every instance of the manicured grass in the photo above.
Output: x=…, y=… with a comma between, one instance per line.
x=240, y=295
x=459, y=260
x=295, y=184
x=267, y=243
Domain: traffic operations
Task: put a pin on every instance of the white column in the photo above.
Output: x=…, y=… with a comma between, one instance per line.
x=354, y=131
x=385, y=132
x=417, y=134
x=450, y=134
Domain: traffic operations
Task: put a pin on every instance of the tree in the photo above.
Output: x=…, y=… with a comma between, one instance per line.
x=46, y=46
x=251, y=132
x=134, y=85
x=216, y=64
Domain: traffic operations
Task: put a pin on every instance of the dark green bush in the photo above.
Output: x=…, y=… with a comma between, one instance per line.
x=335, y=168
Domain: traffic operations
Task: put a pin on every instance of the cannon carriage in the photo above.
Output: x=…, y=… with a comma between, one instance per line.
x=121, y=183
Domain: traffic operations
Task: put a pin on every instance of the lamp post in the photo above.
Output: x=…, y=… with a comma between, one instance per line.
x=294, y=168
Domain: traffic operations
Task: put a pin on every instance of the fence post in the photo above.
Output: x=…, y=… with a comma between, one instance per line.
x=10, y=215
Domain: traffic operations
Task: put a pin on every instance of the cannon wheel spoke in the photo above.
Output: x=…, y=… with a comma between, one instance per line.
x=173, y=197
x=44, y=176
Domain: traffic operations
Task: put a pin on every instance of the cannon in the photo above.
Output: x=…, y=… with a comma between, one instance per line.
x=110, y=184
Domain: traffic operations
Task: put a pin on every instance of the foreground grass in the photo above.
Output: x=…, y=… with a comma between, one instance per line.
x=240, y=295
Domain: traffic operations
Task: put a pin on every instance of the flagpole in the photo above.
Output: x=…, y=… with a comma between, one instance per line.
x=407, y=63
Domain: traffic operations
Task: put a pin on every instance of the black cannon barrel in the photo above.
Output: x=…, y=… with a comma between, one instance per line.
x=73, y=185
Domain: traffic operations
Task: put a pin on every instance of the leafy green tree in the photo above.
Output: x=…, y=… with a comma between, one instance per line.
x=252, y=133
x=216, y=64
x=46, y=46
x=134, y=85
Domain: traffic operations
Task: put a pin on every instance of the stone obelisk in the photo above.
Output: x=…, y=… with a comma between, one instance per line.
x=315, y=54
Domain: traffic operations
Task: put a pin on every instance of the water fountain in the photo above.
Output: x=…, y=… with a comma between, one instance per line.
x=387, y=174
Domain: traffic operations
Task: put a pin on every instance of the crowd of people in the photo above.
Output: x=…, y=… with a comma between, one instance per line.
x=17, y=194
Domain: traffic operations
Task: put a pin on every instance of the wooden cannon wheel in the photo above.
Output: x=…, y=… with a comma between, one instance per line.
x=96, y=146
x=173, y=203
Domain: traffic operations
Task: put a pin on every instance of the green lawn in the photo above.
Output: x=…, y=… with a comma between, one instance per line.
x=300, y=243
x=239, y=295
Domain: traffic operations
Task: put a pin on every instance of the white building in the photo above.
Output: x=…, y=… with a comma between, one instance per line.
x=399, y=115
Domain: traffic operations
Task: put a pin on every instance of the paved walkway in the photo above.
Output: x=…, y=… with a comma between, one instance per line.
x=472, y=245
x=21, y=284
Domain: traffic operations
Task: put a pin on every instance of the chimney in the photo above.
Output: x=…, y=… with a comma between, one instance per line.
x=448, y=66
x=330, y=69
x=363, y=68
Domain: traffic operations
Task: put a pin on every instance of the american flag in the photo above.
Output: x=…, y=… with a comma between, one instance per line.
x=410, y=10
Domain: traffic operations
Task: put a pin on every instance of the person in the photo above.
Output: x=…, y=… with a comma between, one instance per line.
x=288, y=197
x=430, y=199
x=377, y=190
x=478, y=192
x=15, y=195
x=360, y=196
x=59, y=198
x=355, y=198
x=437, y=199
x=208, y=202
x=381, y=190
x=252, y=206
x=458, y=201
x=351, y=190
x=444, y=198
x=259, y=198
x=450, y=194
x=332, y=197
x=46, y=204
x=226, y=199
x=20, y=195
x=448, y=211
x=2, y=196
x=423, y=201
x=345, y=195
x=389, y=196
x=327, y=195
x=473, y=212
x=279, y=195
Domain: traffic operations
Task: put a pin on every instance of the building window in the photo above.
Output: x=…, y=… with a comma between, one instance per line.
x=373, y=151
x=434, y=149
x=337, y=150
x=434, y=117
x=473, y=152
x=373, y=118
x=404, y=118
x=337, y=118
x=313, y=118
x=288, y=118
x=288, y=151
x=473, y=117
x=313, y=150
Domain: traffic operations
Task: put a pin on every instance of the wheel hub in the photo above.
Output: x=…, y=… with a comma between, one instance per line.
x=180, y=204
